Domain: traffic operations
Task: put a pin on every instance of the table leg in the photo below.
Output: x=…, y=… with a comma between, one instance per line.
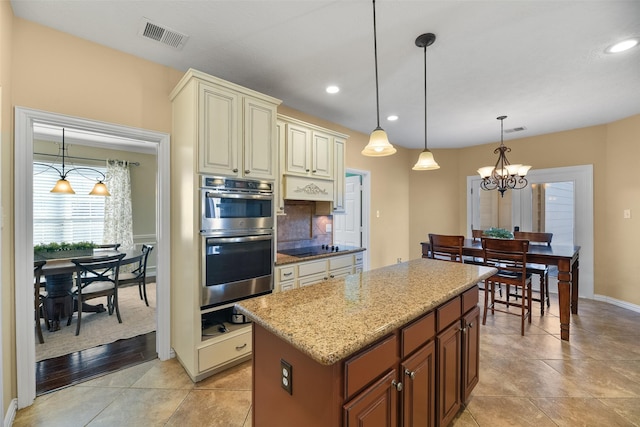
x=564, y=296
x=574, y=286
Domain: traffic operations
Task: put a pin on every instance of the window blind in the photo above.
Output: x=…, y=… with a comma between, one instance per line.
x=66, y=217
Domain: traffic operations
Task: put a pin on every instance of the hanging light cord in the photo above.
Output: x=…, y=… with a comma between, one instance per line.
x=375, y=55
x=425, y=96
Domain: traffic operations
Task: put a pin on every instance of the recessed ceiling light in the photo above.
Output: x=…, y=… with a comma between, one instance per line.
x=622, y=46
x=392, y=118
x=333, y=89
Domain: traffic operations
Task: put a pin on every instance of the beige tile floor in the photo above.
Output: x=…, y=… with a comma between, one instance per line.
x=593, y=380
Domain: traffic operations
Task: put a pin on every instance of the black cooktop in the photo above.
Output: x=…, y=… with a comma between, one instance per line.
x=316, y=250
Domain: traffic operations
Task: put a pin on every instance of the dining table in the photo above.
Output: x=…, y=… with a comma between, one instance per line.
x=565, y=257
x=59, y=275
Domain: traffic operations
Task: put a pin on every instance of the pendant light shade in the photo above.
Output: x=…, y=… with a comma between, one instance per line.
x=425, y=162
x=99, y=190
x=379, y=144
x=63, y=187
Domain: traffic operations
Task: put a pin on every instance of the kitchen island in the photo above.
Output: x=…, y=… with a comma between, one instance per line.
x=337, y=353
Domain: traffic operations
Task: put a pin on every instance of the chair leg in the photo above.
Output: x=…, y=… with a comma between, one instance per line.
x=522, y=311
x=116, y=307
x=38, y=325
x=546, y=288
x=486, y=302
x=143, y=284
x=79, y=317
x=542, y=294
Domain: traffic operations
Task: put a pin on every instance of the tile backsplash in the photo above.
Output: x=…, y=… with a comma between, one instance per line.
x=301, y=227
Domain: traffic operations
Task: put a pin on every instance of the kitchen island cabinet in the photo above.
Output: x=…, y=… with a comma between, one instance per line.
x=368, y=349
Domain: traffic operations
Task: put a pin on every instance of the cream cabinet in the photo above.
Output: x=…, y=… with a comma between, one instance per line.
x=235, y=127
x=218, y=128
x=339, y=179
x=306, y=273
x=309, y=161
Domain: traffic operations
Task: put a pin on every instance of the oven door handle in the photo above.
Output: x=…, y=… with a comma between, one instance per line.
x=213, y=195
x=237, y=239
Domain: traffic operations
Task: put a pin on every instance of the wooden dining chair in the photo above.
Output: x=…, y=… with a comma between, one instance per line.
x=38, y=299
x=112, y=246
x=96, y=277
x=541, y=270
x=476, y=234
x=446, y=247
x=139, y=275
x=509, y=256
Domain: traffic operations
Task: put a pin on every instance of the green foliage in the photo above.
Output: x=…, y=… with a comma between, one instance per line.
x=499, y=233
x=63, y=246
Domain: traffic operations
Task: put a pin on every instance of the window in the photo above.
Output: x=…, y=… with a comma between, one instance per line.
x=66, y=217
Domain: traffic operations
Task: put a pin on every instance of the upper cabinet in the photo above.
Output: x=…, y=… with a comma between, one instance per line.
x=235, y=126
x=311, y=161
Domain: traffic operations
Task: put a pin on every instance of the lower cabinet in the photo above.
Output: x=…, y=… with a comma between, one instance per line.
x=417, y=376
x=306, y=273
x=436, y=370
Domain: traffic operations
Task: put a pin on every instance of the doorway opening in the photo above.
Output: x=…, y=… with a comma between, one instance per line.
x=352, y=227
x=120, y=136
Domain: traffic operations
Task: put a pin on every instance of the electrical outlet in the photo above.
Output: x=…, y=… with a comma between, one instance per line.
x=626, y=214
x=286, y=373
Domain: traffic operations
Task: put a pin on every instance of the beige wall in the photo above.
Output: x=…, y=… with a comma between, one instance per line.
x=56, y=72
x=6, y=174
x=53, y=71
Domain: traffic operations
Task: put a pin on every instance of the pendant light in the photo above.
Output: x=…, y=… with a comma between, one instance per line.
x=426, y=162
x=504, y=175
x=379, y=144
x=64, y=187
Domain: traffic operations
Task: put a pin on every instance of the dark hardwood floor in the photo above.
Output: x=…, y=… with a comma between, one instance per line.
x=53, y=374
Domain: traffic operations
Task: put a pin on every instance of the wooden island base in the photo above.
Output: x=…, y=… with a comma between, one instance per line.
x=418, y=375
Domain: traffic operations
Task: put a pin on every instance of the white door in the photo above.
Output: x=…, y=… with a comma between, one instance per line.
x=348, y=226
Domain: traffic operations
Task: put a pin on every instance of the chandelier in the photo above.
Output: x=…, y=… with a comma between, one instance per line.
x=379, y=144
x=503, y=176
x=64, y=187
x=425, y=162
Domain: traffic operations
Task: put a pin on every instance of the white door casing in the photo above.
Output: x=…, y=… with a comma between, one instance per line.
x=363, y=193
x=23, y=207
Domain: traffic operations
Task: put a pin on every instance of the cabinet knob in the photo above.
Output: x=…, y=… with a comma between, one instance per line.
x=307, y=170
x=240, y=347
x=235, y=170
x=247, y=171
x=314, y=171
x=396, y=385
x=470, y=325
x=410, y=374
x=332, y=276
x=326, y=278
x=287, y=274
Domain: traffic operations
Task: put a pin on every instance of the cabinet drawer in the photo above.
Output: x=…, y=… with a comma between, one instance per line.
x=470, y=299
x=287, y=286
x=362, y=369
x=359, y=257
x=448, y=313
x=418, y=333
x=224, y=351
x=309, y=268
x=286, y=273
x=340, y=262
x=343, y=272
x=312, y=280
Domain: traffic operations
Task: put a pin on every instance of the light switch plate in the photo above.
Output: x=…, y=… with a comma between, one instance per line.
x=626, y=214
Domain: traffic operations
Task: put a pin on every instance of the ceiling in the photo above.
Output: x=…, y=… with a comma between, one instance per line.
x=541, y=63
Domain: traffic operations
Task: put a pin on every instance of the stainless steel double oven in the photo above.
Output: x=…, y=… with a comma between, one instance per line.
x=236, y=229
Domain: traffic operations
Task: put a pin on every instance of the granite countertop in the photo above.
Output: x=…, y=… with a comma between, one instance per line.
x=282, y=259
x=334, y=319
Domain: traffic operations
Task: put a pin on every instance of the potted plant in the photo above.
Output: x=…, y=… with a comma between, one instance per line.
x=63, y=250
x=498, y=233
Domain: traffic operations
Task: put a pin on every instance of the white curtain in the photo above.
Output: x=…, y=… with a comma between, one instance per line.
x=118, y=218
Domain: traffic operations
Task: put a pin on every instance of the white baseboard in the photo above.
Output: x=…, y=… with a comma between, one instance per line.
x=619, y=303
x=11, y=413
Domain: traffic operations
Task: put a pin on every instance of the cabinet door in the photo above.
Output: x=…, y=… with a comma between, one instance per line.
x=322, y=155
x=419, y=392
x=298, y=150
x=339, y=176
x=471, y=352
x=260, y=139
x=218, y=128
x=376, y=406
x=449, y=347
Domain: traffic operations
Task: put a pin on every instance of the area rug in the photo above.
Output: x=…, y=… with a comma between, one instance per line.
x=100, y=328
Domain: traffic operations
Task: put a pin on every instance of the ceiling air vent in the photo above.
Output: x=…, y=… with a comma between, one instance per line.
x=162, y=34
x=518, y=129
